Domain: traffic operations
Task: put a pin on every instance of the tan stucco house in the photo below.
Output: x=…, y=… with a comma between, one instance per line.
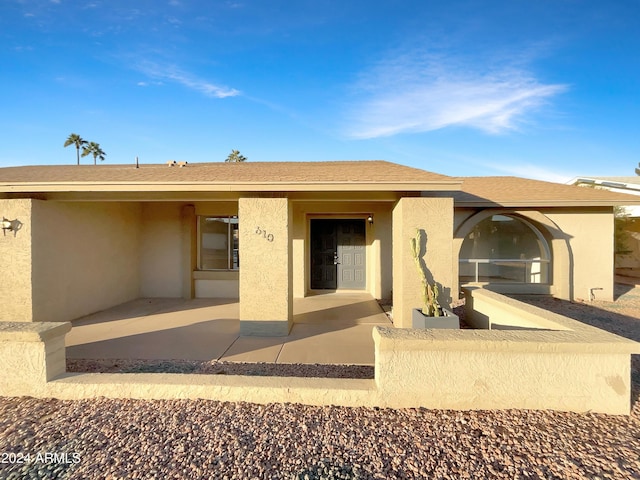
x=78, y=239
x=628, y=249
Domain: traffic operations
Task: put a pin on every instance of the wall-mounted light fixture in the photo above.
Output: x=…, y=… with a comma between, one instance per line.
x=6, y=225
x=370, y=219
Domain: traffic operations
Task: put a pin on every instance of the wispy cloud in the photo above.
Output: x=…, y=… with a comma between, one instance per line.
x=416, y=92
x=528, y=170
x=176, y=75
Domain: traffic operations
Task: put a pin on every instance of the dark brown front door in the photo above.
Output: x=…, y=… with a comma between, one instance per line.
x=338, y=254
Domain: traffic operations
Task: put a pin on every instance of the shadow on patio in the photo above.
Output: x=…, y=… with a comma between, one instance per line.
x=328, y=329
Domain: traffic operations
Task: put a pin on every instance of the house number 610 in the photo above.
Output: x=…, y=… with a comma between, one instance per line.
x=267, y=236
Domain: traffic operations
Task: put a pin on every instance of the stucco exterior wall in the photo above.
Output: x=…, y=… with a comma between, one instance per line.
x=435, y=217
x=590, y=238
x=299, y=250
x=266, y=288
x=84, y=257
x=160, y=250
x=381, y=273
x=15, y=250
x=217, y=284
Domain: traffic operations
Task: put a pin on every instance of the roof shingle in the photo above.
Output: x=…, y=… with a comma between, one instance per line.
x=515, y=192
x=373, y=171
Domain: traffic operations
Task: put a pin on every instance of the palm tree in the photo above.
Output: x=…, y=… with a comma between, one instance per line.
x=78, y=141
x=235, y=156
x=638, y=169
x=94, y=149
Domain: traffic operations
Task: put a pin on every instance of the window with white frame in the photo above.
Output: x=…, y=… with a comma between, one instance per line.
x=218, y=243
x=504, y=249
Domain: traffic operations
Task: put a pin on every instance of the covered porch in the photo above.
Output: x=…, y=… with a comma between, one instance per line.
x=330, y=328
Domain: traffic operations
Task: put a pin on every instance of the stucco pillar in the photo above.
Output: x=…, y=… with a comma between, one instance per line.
x=266, y=287
x=15, y=250
x=189, y=248
x=562, y=274
x=435, y=217
x=31, y=354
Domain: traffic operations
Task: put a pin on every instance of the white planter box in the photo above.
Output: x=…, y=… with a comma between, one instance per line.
x=421, y=321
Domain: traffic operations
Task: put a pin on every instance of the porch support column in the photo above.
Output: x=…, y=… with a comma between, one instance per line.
x=266, y=267
x=189, y=249
x=16, y=249
x=435, y=217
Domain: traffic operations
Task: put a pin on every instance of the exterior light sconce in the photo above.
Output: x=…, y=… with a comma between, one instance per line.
x=6, y=225
x=370, y=219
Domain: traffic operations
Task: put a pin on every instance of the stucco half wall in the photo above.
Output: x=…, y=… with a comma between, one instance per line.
x=580, y=369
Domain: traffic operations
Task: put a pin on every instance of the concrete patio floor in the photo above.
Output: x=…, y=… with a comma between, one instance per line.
x=331, y=328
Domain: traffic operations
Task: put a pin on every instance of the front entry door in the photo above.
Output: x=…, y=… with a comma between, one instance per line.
x=323, y=255
x=338, y=254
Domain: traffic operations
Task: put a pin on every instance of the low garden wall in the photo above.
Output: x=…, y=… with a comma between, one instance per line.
x=482, y=369
x=521, y=357
x=33, y=355
x=488, y=310
x=535, y=360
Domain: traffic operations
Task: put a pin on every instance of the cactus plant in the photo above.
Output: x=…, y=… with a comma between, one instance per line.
x=430, y=292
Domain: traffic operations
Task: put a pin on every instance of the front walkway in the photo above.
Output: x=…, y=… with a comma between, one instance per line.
x=333, y=328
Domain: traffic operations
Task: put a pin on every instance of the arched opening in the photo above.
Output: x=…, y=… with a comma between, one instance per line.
x=504, y=248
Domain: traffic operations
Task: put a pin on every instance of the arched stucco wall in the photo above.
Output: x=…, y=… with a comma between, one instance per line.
x=561, y=257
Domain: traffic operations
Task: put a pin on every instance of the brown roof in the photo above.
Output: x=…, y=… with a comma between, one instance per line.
x=523, y=192
x=380, y=175
x=372, y=175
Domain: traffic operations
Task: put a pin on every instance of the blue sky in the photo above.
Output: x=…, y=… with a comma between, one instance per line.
x=541, y=89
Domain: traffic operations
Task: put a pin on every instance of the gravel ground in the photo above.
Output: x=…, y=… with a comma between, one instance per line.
x=215, y=367
x=191, y=439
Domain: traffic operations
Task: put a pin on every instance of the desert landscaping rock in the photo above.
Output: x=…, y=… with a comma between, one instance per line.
x=215, y=367
x=118, y=439
x=192, y=439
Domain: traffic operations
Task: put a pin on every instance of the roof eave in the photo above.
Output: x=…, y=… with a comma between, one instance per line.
x=546, y=203
x=43, y=187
